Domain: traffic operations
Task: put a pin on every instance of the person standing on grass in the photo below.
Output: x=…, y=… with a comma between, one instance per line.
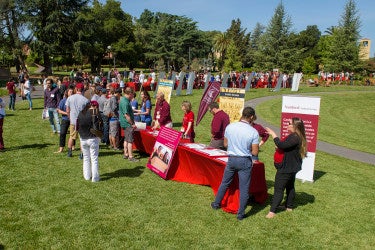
x=64, y=119
x=2, y=116
x=74, y=104
x=241, y=141
x=27, y=88
x=51, y=103
x=294, y=147
x=89, y=142
x=114, y=124
x=187, y=122
x=127, y=123
x=11, y=87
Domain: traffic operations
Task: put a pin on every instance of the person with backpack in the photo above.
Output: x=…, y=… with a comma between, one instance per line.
x=89, y=141
x=294, y=148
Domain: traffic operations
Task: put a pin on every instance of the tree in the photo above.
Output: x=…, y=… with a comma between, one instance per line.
x=52, y=24
x=12, y=26
x=342, y=50
x=221, y=43
x=276, y=47
x=241, y=40
x=173, y=38
x=106, y=30
x=233, y=60
x=254, y=42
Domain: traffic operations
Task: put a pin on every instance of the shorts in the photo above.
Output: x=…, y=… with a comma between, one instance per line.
x=114, y=127
x=128, y=134
x=73, y=133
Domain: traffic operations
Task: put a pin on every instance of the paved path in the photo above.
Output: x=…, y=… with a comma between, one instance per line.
x=322, y=146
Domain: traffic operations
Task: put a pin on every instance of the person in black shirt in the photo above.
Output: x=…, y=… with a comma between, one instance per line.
x=294, y=147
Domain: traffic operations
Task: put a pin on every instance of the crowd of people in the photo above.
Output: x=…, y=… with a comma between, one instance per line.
x=84, y=102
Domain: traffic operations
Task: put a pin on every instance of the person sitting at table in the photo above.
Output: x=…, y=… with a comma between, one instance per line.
x=187, y=122
x=242, y=141
x=162, y=115
x=146, y=106
x=219, y=122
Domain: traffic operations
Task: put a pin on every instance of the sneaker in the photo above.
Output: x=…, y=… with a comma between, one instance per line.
x=215, y=206
x=70, y=153
x=133, y=160
x=81, y=156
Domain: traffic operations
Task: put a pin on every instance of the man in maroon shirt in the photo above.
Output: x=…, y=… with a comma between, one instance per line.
x=162, y=114
x=11, y=87
x=218, y=125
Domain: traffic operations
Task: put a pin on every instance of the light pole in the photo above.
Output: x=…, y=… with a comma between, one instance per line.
x=113, y=55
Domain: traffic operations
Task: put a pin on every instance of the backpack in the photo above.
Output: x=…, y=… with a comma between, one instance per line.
x=107, y=111
x=97, y=123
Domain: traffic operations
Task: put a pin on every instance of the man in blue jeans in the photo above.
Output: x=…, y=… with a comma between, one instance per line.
x=242, y=142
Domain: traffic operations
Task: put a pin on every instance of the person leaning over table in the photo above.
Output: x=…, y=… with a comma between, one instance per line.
x=162, y=115
x=219, y=122
x=242, y=141
x=294, y=147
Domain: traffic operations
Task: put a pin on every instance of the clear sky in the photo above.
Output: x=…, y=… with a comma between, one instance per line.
x=218, y=14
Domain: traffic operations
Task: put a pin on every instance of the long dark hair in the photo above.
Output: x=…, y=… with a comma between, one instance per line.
x=300, y=131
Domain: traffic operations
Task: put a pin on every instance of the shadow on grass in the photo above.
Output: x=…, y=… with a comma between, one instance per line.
x=318, y=174
x=256, y=207
x=135, y=172
x=34, y=146
x=301, y=199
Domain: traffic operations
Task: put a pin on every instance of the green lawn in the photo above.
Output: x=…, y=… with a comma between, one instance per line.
x=45, y=202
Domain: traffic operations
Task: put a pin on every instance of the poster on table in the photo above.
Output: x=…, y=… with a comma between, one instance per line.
x=166, y=86
x=163, y=151
x=232, y=101
x=306, y=108
x=296, y=80
x=208, y=97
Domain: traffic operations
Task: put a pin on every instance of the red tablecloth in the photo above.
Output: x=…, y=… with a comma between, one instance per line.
x=189, y=165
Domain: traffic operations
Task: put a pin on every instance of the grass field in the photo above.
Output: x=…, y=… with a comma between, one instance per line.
x=45, y=202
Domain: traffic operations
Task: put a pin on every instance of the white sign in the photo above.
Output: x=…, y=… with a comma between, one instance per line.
x=307, y=109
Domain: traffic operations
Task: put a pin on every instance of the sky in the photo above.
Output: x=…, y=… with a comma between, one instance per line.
x=218, y=14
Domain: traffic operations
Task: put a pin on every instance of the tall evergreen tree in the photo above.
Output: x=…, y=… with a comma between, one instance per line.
x=275, y=50
x=241, y=40
x=343, y=49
